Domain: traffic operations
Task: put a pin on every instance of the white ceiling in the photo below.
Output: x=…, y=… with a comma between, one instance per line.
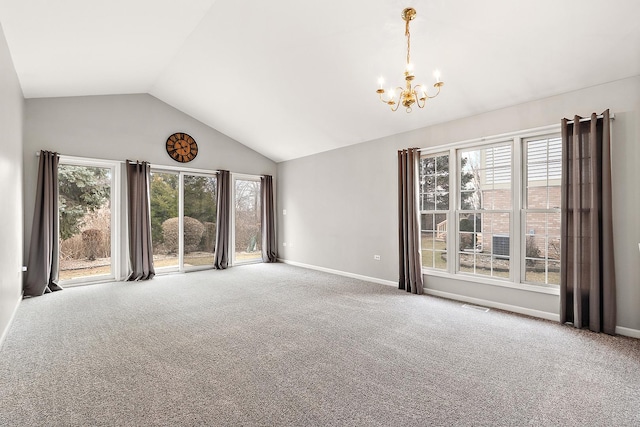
x=291, y=78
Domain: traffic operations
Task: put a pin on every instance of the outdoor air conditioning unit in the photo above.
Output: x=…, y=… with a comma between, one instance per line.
x=500, y=244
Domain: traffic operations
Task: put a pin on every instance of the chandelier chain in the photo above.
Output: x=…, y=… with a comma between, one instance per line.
x=408, y=34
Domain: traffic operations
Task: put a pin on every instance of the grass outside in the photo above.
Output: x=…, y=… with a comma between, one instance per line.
x=434, y=255
x=101, y=267
x=75, y=273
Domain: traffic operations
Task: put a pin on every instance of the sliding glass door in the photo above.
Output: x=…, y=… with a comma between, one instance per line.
x=183, y=220
x=246, y=220
x=86, y=219
x=199, y=230
x=164, y=219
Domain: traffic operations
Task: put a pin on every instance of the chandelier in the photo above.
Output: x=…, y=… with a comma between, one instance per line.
x=408, y=95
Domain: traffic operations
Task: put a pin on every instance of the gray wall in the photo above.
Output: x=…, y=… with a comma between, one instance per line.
x=120, y=127
x=341, y=204
x=11, y=124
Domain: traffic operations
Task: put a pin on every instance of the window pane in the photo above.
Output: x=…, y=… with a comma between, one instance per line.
x=501, y=267
x=85, y=221
x=553, y=273
x=543, y=273
x=442, y=189
x=543, y=173
x=164, y=219
x=483, y=265
x=434, y=183
x=248, y=233
x=542, y=247
x=199, y=220
x=535, y=248
x=428, y=251
x=427, y=222
x=485, y=178
x=484, y=243
x=434, y=198
x=553, y=248
x=554, y=193
x=434, y=240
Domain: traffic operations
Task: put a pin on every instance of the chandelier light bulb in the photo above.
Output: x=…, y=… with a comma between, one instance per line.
x=381, y=81
x=436, y=74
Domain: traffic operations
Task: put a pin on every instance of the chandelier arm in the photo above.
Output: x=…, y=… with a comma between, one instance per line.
x=438, y=86
x=424, y=101
x=391, y=101
x=399, y=99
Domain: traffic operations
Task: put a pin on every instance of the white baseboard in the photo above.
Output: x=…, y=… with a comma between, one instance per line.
x=340, y=273
x=4, y=333
x=628, y=332
x=486, y=303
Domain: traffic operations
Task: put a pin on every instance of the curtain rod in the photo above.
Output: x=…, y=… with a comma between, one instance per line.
x=153, y=166
x=85, y=158
x=586, y=119
x=526, y=132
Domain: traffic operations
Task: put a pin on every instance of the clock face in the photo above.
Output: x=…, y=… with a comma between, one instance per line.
x=182, y=147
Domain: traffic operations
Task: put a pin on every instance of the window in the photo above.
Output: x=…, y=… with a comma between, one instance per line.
x=86, y=224
x=484, y=217
x=247, y=221
x=434, y=210
x=492, y=209
x=541, y=210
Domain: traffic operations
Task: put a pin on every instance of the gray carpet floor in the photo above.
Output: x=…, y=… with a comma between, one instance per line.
x=273, y=344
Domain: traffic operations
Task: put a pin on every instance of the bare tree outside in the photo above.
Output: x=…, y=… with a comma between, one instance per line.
x=85, y=221
x=248, y=234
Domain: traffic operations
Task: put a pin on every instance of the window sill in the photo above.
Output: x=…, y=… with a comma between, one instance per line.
x=492, y=282
x=86, y=280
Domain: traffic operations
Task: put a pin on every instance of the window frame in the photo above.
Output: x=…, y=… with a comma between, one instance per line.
x=437, y=212
x=181, y=172
x=117, y=246
x=516, y=276
x=525, y=206
x=509, y=211
x=232, y=235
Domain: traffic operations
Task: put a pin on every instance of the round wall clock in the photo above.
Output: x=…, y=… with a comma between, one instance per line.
x=182, y=147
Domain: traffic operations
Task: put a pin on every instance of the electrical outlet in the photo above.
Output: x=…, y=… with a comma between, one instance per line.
x=284, y=244
x=376, y=257
x=284, y=211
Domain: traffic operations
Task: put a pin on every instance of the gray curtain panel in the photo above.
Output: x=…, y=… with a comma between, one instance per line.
x=267, y=216
x=410, y=262
x=587, y=283
x=140, y=248
x=44, y=251
x=221, y=257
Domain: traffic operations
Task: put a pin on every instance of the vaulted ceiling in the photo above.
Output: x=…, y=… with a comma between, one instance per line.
x=290, y=78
